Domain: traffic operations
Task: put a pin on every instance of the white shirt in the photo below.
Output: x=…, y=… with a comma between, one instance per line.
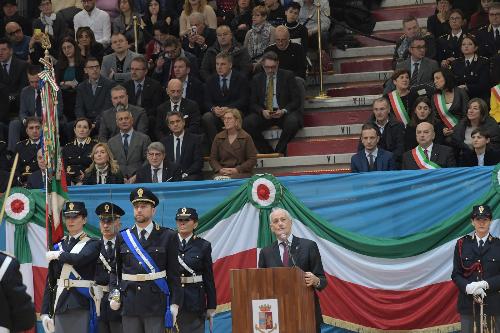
x=172, y=104
x=374, y=154
x=228, y=78
x=381, y=127
x=457, y=35
x=480, y=159
x=188, y=238
x=484, y=239
x=413, y=65
x=184, y=86
x=471, y=59
x=282, y=248
x=77, y=236
x=98, y=20
x=112, y=240
x=149, y=229
x=429, y=150
x=160, y=172
x=8, y=64
x=129, y=136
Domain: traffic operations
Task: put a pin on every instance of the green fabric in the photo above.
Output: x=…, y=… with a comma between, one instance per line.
x=266, y=236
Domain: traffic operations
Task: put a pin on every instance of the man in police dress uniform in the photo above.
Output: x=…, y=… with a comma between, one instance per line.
x=144, y=304
x=110, y=321
x=74, y=263
x=476, y=271
x=197, y=276
x=17, y=312
x=27, y=149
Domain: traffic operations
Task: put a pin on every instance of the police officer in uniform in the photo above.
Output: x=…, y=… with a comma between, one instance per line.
x=109, y=214
x=17, y=312
x=197, y=276
x=72, y=267
x=143, y=303
x=77, y=153
x=27, y=149
x=448, y=45
x=476, y=272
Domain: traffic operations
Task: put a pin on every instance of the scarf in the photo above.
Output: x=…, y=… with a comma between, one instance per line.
x=101, y=174
x=48, y=21
x=259, y=39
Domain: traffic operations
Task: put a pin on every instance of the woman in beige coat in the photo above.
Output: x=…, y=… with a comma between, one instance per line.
x=233, y=153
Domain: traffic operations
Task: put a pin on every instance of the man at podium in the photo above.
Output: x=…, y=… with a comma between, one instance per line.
x=289, y=250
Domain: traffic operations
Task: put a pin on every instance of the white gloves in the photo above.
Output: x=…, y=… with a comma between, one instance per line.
x=174, y=309
x=48, y=324
x=114, y=305
x=483, y=284
x=477, y=288
x=210, y=313
x=479, y=292
x=52, y=255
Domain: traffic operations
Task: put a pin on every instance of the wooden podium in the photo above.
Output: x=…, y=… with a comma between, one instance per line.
x=286, y=284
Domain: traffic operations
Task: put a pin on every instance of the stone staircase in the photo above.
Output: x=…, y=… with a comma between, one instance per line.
x=332, y=126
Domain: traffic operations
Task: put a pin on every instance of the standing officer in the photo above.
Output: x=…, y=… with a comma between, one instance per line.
x=74, y=263
x=17, y=312
x=110, y=321
x=197, y=276
x=147, y=270
x=476, y=272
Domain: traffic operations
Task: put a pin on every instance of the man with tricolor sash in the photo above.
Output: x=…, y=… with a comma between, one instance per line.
x=476, y=273
x=146, y=281
x=428, y=155
x=72, y=265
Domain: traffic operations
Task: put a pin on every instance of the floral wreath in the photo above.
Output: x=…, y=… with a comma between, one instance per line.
x=19, y=206
x=264, y=191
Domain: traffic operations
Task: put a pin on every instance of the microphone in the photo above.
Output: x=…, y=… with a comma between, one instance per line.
x=284, y=239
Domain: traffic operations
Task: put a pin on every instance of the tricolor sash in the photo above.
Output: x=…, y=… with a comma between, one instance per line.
x=399, y=108
x=448, y=119
x=422, y=161
x=149, y=266
x=495, y=91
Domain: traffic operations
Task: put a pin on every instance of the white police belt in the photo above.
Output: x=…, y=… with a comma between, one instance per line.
x=192, y=279
x=68, y=283
x=105, y=289
x=144, y=277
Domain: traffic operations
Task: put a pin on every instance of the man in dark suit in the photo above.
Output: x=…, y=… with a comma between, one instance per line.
x=289, y=250
x=27, y=149
x=428, y=155
x=93, y=96
x=183, y=148
x=371, y=158
x=12, y=80
x=192, y=87
x=119, y=99
x=420, y=67
x=488, y=37
x=144, y=91
x=200, y=37
x=226, y=89
x=129, y=147
x=411, y=29
x=275, y=101
x=37, y=179
x=292, y=56
x=188, y=108
x=158, y=169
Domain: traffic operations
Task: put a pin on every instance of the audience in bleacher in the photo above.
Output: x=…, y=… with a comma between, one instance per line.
x=371, y=157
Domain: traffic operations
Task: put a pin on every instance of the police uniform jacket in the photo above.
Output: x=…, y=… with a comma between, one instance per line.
x=77, y=158
x=17, y=312
x=449, y=47
x=485, y=37
x=140, y=298
x=84, y=263
x=476, y=76
x=466, y=254
x=197, y=254
x=102, y=278
x=27, y=158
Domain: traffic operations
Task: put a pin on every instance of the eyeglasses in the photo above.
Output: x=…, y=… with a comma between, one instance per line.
x=93, y=67
x=418, y=47
x=14, y=32
x=155, y=154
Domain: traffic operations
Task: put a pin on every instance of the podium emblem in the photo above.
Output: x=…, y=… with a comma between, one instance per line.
x=265, y=315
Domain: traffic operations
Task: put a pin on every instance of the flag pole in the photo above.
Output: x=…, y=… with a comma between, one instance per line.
x=9, y=185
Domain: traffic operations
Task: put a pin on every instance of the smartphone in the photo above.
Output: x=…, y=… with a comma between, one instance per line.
x=194, y=30
x=37, y=31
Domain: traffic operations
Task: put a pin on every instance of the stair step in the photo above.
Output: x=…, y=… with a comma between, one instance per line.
x=344, y=117
x=365, y=89
x=317, y=131
x=399, y=13
x=334, y=103
x=397, y=24
x=392, y=36
x=351, y=77
x=323, y=147
x=397, y=3
x=360, y=52
x=366, y=65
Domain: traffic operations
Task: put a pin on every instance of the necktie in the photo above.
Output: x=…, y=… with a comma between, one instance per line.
x=6, y=69
x=371, y=165
x=176, y=107
x=94, y=88
x=497, y=35
x=38, y=104
x=481, y=243
x=467, y=63
x=172, y=73
x=224, y=86
x=270, y=93
x=414, y=76
x=81, y=145
x=285, y=254
x=125, y=143
x=143, y=236
x=178, y=151
x=109, y=249
x=138, y=95
x=455, y=39
x=426, y=152
x=183, y=244
x=155, y=175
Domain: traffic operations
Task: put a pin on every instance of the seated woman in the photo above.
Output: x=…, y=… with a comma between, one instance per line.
x=240, y=19
x=103, y=169
x=472, y=72
x=480, y=154
x=477, y=117
x=437, y=24
x=154, y=17
x=421, y=112
x=400, y=97
x=87, y=44
x=69, y=73
x=260, y=36
x=449, y=102
x=124, y=23
x=199, y=6
x=233, y=153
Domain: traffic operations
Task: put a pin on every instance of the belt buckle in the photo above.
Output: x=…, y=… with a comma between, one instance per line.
x=67, y=283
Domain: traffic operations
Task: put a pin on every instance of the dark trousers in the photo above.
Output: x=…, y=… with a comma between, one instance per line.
x=466, y=322
x=255, y=123
x=110, y=326
x=190, y=322
x=135, y=324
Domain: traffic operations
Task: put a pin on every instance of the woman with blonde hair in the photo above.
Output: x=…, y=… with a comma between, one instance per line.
x=199, y=6
x=233, y=153
x=104, y=169
x=260, y=36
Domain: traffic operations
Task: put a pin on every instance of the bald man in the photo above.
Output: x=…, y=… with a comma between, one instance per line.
x=20, y=42
x=176, y=102
x=291, y=55
x=428, y=155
